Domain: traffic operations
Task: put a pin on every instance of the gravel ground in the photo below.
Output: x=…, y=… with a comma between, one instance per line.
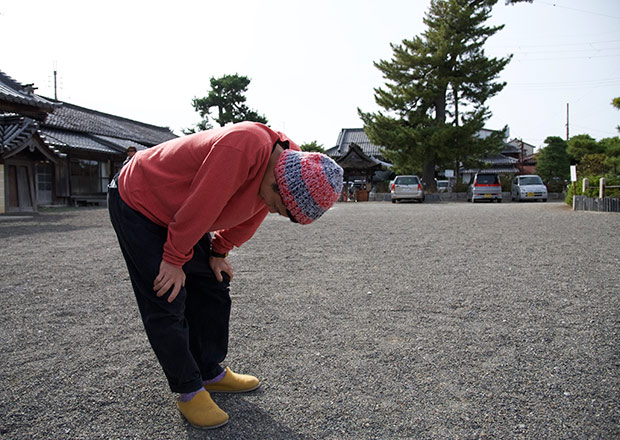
x=380, y=321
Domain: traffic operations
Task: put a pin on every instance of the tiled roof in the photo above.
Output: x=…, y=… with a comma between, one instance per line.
x=500, y=159
x=123, y=143
x=498, y=163
x=498, y=170
x=78, y=119
x=357, y=136
x=17, y=132
x=527, y=148
x=63, y=140
x=511, y=149
x=12, y=91
x=14, y=130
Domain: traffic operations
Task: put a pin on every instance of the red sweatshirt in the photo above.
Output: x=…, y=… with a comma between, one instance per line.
x=205, y=182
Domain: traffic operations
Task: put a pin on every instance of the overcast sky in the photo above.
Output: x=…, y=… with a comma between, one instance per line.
x=310, y=62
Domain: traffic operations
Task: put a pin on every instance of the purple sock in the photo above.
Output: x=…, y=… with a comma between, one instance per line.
x=215, y=379
x=186, y=397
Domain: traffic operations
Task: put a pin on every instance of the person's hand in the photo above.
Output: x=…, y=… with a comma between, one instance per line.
x=219, y=265
x=169, y=277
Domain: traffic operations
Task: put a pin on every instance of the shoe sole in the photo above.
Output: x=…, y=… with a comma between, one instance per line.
x=206, y=428
x=234, y=392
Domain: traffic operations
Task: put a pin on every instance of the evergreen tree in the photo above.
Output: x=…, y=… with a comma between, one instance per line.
x=312, y=147
x=436, y=89
x=616, y=103
x=553, y=160
x=582, y=144
x=612, y=152
x=227, y=95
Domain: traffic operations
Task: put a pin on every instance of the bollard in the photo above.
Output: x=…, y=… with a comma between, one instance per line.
x=601, y=188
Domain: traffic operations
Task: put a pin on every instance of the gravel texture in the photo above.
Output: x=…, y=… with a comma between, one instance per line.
x=379, y=321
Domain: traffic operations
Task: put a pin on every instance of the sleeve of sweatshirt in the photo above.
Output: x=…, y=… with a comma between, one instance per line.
x=219, y=176
x=225, y=239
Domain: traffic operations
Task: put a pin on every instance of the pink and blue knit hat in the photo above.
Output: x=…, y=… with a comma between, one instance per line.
x=309, y=183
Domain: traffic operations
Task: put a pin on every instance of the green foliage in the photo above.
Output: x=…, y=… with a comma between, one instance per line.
x=596, y=161
x=506, y=180
x=612, y=153
x=553, y=161
x=460, y=187
x=227, y=95
x=593, y=188
x=435, y=92
x=312, y=147
x=593, y=165
x=616, y=103
x=582, y=144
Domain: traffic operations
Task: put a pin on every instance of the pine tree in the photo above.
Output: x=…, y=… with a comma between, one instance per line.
x=581, y=145
x=227, y=95
x=436, y=89
x=553, y=160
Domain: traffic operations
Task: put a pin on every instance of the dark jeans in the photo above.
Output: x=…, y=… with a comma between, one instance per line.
x=190, y=335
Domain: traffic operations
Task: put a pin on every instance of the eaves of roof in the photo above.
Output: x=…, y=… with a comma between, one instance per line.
x=14, y=130
x=73, y=118
x=498, y=170
x=12, y=91
x=65, y=140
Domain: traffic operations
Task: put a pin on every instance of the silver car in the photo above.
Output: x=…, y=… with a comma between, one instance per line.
x=485, y=186
x=407, y=188
x=443, y=186
x=528, y=187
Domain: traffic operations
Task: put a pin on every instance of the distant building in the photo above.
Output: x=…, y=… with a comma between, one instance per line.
x=362, y=161
x=517, y=157
x=56, y=153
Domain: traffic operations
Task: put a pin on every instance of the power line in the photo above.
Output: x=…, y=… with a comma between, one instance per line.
x=586, y=43
x=573, y=85
x=588, y=49
x=578, y=10
x=585, y=57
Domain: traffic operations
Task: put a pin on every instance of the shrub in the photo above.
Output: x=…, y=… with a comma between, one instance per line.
x=460, y=187
x=506, y=180
x=593, y=188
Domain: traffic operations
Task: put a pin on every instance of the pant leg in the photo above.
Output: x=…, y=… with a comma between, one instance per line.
x=207, y=310
x=141, y=242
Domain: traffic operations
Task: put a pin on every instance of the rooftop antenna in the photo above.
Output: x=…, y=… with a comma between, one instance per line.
x=55, y=88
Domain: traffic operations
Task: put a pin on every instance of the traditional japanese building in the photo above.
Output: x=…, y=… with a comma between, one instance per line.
x=361, y=160
x=56, y=153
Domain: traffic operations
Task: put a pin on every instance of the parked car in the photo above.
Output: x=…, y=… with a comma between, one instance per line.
x=407, y=188
x=528, y=187
x=485, y=186
x=443, y=186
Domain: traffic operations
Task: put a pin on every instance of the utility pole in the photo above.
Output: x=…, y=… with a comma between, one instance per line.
x=521, y=158
x=567, y=121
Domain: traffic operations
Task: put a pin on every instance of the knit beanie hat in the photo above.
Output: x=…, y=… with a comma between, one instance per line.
x=309, y=183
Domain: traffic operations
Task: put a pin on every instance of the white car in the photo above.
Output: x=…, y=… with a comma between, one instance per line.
x=528, y=187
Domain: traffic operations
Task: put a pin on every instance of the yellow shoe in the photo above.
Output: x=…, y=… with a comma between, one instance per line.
x=233, y=383
x=202, y=412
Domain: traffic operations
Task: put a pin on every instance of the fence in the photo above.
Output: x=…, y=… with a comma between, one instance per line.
x=606, y=204
x=600, y=204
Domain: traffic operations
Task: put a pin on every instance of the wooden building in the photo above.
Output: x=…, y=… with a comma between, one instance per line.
x=56, y=153
x=361, y=159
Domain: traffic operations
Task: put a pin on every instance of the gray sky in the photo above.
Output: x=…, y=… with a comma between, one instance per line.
x=311, y=63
